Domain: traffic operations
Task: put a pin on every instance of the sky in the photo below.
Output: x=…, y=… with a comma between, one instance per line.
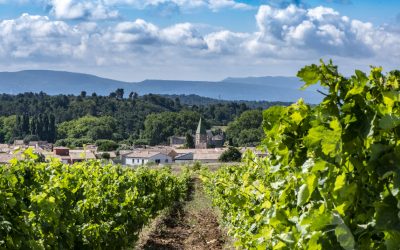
x=133, y=40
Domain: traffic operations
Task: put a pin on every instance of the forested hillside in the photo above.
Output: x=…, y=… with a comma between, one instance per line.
x=201, y=100
x=76, y=120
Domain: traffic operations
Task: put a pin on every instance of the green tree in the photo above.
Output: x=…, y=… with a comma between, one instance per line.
x=105, y=156
x=232, y=154
x=7, y=128
x=88, y=127
x=106, y=145
x=25, y=124
x=119, y=93
x=52, y=129
x=30, y=138
x=159, y=127
x=246, y=130
x=18, y=132
x=189, y=140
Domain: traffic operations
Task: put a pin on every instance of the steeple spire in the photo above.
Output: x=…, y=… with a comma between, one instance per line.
x=200, y=128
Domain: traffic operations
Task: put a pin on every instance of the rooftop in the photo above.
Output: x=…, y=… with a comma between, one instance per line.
x=143, y=154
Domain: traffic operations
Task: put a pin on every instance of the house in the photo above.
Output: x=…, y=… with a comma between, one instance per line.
x=204, y=155
x=69, y=156
x=142, y=157
x=122, y=156
x=5, y=148
x=19, y=143
x=217, y=141
x=206, y=138
x=184, y=158
x=170, y=151
x=39, y=144
x=5, y=158
x=80, y=155
x=208, y=155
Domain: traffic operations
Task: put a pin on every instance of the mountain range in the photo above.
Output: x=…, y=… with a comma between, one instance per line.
x=267, y=88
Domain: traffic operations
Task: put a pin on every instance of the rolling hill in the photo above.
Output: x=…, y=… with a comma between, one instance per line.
x=252, y=88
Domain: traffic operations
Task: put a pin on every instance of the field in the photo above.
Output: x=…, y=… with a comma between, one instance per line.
x=331, y=181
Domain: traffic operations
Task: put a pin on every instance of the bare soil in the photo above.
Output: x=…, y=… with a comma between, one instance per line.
x=191, y=225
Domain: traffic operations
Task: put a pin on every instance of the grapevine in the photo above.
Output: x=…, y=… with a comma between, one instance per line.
x=332, y=177
x=88, y=205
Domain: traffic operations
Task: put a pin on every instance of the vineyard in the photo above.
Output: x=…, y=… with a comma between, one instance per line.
x=332, y=178
x=87, y=205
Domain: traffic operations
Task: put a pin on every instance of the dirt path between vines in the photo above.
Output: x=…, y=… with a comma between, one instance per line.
x=191, y=225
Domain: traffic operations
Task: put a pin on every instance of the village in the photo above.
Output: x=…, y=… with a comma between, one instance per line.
x=208, y=149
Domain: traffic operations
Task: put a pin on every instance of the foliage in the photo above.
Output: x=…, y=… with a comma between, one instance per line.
x=73, y=143
x=246, y=130
x=230, y=155
x=105, y=155
x=30, y=138
x=39, y=114
x=196, y=100
x=7, y=129
x=196, y=166
x=159, y=127
x=332, y=178
x=89, y=127
x=90, y=205
x=189, y=141
x=106, y=145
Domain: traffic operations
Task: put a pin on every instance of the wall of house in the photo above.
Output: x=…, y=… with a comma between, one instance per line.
x=135, y=161
x=161, y=158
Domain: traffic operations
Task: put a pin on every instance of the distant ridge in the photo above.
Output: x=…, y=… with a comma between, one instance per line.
x=55, y=82
x=285, y=89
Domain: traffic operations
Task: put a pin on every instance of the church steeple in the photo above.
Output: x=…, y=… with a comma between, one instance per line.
x=200, y=128
x=201, y=135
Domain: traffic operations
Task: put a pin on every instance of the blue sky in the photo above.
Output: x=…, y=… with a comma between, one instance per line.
x=197, y=39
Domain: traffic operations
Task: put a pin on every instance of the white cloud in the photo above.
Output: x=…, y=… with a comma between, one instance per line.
x=185, y=4
x=291, y=35
x=107, y=9
x=226, y=42
x=317, y=31
x=36, y=37
x=183, y=34
x=74, y=9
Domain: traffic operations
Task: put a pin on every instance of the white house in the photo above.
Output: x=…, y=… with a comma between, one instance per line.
x=142, y=157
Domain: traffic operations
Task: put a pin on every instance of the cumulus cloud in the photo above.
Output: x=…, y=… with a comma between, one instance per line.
x=74, y=9
x=107, y=9
x=226, y=42
x=286, y=34
x=315, y=31
x=36, y=37
x=185, y=4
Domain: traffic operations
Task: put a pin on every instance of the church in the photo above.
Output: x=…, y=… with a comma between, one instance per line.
x=206, y=139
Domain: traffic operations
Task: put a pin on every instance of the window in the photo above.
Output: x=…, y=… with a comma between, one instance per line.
x=166, y=160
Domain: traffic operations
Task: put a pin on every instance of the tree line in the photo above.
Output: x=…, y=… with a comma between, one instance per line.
x=125, y=119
